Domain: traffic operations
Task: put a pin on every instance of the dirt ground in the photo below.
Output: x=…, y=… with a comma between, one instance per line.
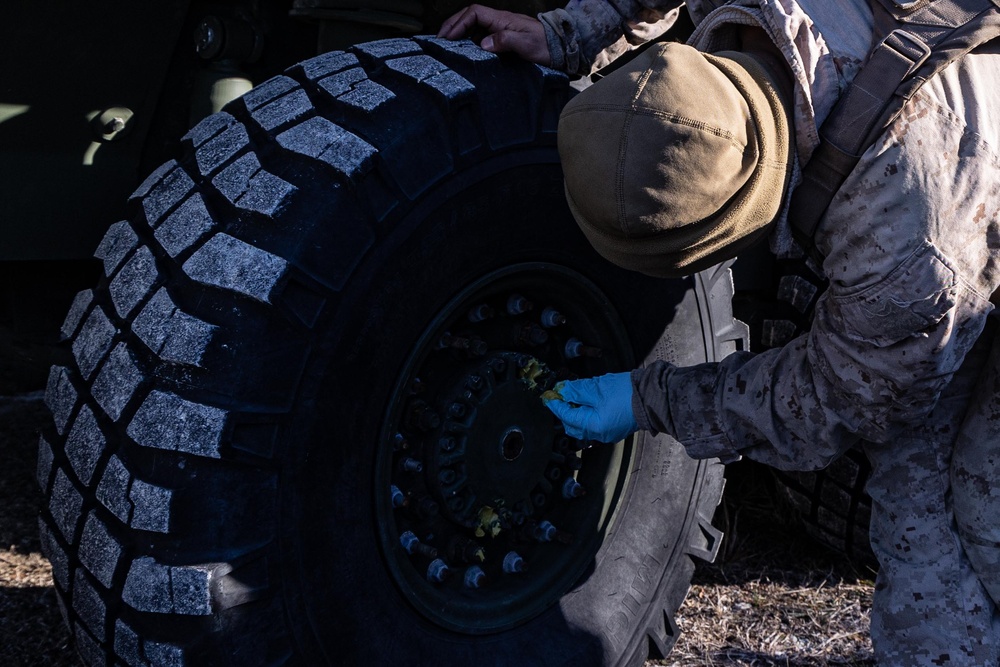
x=772, y=599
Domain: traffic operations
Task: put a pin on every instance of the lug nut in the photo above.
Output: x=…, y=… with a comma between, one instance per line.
x=456, y=410
x=554, y=473
x=497, y=365
x=398, y=497
x=575, y=348
x=513, y=563
x=438, y=571
x=447, y=444
x=474, y=382
x=572, y=488
x=538, y=499
x=447, y=476
x=456, y=504
x=454, y=342
x=544, y=532
x=477, y=346
x=412, y=544
x=531, y=334
x=552, y=318
x=411, y=465
x=474, y=577
x=480, y=313
x=517, y=304
x=466, y=550
x=422, y=417
x=422, y=508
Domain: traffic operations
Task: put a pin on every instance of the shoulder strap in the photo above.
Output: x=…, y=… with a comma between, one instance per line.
x=913, y=41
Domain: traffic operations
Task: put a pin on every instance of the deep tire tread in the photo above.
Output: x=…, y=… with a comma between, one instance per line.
x=153, y=331
x=832, y=504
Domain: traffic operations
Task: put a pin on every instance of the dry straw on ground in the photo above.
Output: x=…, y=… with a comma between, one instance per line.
x=771, y=600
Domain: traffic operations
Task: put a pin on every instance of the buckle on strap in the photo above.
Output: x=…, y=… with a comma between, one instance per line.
x=907, y=45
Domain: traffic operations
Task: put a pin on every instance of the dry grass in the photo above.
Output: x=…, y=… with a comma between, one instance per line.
x=771, y=600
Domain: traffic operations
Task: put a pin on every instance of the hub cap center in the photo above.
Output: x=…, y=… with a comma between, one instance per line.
x=512, y=444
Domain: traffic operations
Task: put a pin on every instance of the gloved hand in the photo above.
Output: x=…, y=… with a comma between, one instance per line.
x=597, y=408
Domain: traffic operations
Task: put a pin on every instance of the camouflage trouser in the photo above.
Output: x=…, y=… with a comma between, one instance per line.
x=975, y=477
x=930, y=607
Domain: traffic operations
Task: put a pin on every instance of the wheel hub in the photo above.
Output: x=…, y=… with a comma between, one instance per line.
x=495, y=445
x=489, y=520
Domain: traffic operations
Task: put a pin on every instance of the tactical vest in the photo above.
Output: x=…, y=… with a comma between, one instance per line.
x=913, y=41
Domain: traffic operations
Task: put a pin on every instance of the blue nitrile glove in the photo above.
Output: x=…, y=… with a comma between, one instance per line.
x=596, y=408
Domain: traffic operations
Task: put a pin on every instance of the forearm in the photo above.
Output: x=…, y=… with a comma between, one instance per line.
x=800, y=406
x=577, y=33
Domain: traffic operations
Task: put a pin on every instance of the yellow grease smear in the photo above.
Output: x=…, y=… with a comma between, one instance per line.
x=487, y=523
x=552, y=395
x=529, y=373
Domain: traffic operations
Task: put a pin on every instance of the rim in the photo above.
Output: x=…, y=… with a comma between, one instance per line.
x=487, y=512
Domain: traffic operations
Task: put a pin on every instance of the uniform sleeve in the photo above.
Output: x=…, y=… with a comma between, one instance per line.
x=871, y=363
x=583, y=28
x=911, y=259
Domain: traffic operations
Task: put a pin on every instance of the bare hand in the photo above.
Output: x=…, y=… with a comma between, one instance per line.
x=506, y=32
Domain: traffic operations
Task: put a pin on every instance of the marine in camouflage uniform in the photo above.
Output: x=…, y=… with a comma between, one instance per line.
x=896, y=354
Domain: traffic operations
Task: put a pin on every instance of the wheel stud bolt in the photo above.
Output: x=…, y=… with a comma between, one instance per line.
x=572, y=488
x=466, y=550
x=513, y=563
x=423, y=418
x=456, y=410
x=575, y=348
x=412, y=544
x=438, y=571
x=398, y=497
x=475, y=382
x=456, y=504
x=454, y=342
x=423, y=508
x=480, y=313
x=531, y=334
x=478, y=346
x=474, y=577
x=544, y=532
x=447, y=476
x=552, y=318
x=447, y=444
x=497, y=365
x=554, y=473
x=538, y=499
x=517, y=304
x=399, y=442
x=412, y=465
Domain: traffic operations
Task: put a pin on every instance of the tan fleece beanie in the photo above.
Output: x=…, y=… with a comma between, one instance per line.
x=677, y=160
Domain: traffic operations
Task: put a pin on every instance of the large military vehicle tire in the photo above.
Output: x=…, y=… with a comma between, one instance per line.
x=831, y=504
x=303, y=424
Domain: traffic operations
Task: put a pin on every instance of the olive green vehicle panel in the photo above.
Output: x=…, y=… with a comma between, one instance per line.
x=63, y=63
x=63, y=178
